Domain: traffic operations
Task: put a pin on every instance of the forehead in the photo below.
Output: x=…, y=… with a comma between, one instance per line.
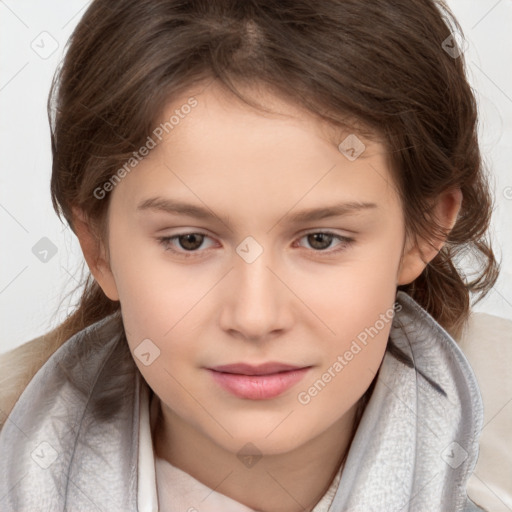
x=279, y=117
x=216, y=149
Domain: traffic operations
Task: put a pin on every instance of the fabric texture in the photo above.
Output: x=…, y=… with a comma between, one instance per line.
x=78, y=438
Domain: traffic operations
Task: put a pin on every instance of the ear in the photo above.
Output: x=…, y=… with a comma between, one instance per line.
x=417, y=254
x=94, y=254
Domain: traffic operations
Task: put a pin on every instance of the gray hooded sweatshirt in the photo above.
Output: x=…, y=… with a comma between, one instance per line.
x=71, y=442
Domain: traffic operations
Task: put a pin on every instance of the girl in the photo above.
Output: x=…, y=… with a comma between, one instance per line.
x=272, y=198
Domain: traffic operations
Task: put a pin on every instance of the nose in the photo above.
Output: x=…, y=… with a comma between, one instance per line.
x=258, y=304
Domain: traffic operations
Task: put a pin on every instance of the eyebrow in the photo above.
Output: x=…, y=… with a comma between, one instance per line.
x=312, y=214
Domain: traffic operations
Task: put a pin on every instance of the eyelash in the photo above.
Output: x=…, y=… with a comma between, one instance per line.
x=345, y=242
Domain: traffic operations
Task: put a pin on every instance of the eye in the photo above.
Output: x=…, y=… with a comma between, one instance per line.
x=188, y=244
x=321, y=241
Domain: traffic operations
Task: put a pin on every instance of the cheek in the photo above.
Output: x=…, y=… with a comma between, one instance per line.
x=349, y=297
x=156, y=293
x=350, y=360
x=160, y=304
x=164, y=346
x=356, y=303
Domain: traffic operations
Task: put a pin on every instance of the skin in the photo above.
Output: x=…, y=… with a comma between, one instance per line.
x=295, y=303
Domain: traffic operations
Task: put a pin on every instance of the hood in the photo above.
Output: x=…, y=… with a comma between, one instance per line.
x=417, y=443
x=72, y=441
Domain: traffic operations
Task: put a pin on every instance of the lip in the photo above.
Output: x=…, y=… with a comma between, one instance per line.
x=260, y=382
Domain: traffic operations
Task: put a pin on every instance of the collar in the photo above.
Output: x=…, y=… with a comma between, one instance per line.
x=80, y=434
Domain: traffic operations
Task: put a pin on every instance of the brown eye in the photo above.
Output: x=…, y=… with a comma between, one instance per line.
x=185, y=244
x=320, y=241
x=190, y=241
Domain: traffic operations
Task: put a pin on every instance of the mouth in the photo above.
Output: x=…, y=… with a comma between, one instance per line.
x=261, y=382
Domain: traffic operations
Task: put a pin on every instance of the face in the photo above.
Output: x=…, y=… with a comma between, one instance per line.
x=256, y=265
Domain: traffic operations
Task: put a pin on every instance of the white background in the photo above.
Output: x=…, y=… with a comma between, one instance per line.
x=32, y=292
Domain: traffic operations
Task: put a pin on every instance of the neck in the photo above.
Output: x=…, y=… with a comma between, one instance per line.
x=286, y=482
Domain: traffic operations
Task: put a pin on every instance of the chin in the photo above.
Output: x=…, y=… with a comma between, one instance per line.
x=264, y=441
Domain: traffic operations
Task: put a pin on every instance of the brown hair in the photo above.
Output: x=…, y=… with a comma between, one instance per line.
x=376, y=67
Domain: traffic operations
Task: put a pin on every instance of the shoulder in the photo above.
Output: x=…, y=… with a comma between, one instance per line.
x=481, y=327
x=18, y=366
x=486, y=341
x=487, y=344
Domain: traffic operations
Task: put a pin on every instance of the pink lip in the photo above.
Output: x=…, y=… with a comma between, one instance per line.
x=260, y=382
